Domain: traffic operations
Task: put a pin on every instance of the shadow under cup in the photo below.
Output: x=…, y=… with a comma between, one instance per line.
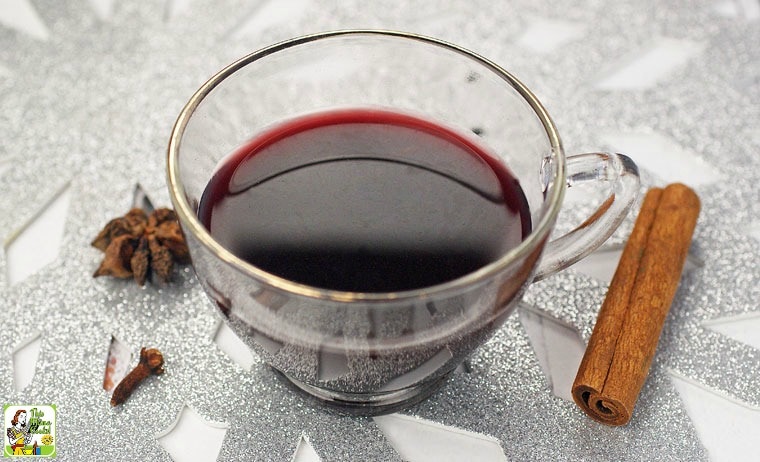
x=366, y=353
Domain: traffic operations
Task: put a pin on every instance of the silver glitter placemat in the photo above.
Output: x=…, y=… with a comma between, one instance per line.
x=89, y=112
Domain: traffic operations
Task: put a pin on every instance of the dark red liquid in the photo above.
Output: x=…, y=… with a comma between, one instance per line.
x=365, y=200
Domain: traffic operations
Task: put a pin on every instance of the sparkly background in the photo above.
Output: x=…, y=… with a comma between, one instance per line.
x=90, y=110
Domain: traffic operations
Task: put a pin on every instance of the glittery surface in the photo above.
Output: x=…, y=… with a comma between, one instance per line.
x=90, y=110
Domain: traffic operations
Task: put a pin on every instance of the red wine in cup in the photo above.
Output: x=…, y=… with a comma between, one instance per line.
x=365, y=200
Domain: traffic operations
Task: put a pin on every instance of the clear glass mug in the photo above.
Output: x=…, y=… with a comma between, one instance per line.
x=371, y=353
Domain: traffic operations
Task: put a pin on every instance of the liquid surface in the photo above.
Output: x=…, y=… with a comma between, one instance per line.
x=365, y=200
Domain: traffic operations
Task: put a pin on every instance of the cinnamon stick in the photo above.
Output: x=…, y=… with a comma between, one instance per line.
x=627, y=330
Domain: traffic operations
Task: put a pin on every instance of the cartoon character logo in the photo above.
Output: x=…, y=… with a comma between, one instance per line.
x=29, y=431
x=18, y=433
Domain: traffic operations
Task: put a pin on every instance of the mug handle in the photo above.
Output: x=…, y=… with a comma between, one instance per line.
x=623, y=173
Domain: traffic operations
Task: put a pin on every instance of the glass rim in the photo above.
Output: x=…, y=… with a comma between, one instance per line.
x=191, y=223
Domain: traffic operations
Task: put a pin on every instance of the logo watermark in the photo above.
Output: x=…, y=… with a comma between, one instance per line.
x=29, y=430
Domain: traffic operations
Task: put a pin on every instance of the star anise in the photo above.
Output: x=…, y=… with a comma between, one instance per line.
x=138, y=245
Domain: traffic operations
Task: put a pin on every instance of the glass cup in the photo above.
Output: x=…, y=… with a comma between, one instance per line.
x=369, y=353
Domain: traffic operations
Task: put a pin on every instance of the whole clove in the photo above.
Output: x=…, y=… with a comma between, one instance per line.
x=151, y=363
